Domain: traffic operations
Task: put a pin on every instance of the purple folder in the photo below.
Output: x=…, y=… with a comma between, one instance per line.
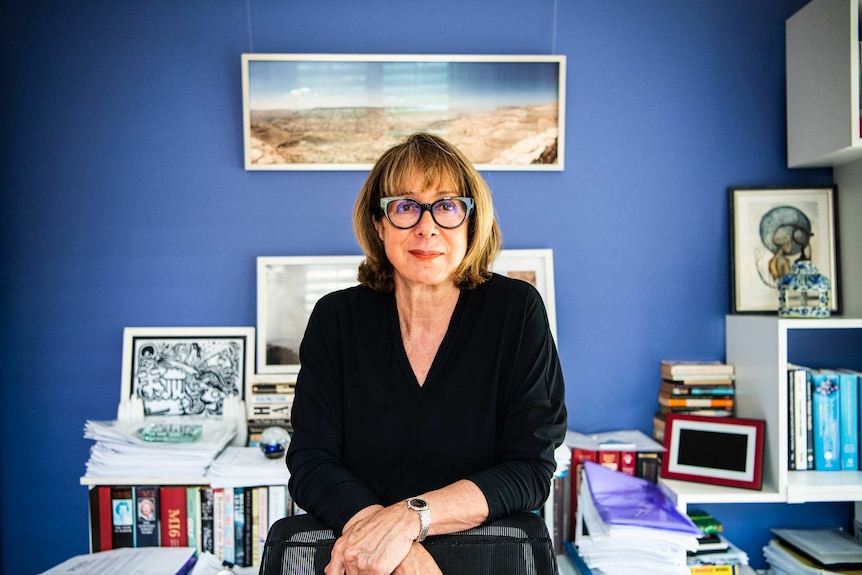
x=622, y=499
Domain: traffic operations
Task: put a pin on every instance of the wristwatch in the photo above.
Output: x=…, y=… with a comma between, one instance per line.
x=421, y=507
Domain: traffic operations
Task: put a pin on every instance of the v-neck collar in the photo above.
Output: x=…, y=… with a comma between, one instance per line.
x=442, y=351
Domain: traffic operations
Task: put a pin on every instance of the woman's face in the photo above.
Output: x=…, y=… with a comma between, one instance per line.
x=426, y=254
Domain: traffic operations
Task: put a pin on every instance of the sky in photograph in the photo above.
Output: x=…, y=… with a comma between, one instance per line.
x=469, y=86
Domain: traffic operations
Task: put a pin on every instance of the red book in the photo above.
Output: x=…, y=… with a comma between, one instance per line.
x=609, y=459
x=628, y=462
x=101, y=527
x=579, y=455
x=173, y=516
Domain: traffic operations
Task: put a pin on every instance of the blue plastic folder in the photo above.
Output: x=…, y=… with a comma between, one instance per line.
x=622, y=499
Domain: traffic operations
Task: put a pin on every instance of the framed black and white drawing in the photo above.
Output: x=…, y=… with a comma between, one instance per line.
x=771, y=228
x=186, y=370
x=287, y=289
x=342, y=111
x=535, y=267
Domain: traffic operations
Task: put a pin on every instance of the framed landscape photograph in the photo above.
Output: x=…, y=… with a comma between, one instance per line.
x=342, y=111
x=535, y=267
x=287, y=289
x=771, y=228
x=186, y=370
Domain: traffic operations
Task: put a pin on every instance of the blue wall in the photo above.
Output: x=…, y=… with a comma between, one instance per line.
x=125, y=201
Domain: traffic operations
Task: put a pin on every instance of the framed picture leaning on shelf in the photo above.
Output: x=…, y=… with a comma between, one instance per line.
x=186, y=370
x=535, y=267
x=771, y=228
x=287, y=289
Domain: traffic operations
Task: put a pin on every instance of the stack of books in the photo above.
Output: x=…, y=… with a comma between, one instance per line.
x=694, y=388
x=715, y=555
x=268, y=404
x=814, y=551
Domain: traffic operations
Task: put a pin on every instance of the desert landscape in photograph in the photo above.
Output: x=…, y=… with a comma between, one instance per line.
x=516, y=135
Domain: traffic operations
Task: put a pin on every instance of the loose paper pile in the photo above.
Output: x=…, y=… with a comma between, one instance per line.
x=242, y=466
x=120, y=452
x=626, y=526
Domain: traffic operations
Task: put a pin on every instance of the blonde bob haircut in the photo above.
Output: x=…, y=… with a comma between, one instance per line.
x=434, y=159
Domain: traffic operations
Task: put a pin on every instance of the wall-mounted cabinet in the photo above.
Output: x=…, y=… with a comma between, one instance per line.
x=757, y=346
x=823, y=84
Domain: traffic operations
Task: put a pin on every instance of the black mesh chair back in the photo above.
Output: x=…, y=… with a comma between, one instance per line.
x=515, y=545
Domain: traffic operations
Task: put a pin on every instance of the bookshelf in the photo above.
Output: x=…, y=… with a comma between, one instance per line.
x=822, y=41
x=757, y=346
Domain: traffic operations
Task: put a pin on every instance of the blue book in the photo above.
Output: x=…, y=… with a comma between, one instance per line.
x=238, y=526
x=848, y=395
x=826, y=414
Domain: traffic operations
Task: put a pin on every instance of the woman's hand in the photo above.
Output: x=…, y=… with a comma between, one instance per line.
x=418, y=562
x=376, y=541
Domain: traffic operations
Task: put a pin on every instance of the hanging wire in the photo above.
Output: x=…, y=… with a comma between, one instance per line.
x=554, y=30
x=250, y=31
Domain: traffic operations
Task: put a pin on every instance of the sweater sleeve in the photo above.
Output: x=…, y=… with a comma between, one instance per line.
x=533, y=420
x=320, y=482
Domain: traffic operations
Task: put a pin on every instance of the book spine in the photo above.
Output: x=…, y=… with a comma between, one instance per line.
x=628, y=462
x=247, y=539
x=827, y=436
x=255, y=526
x=238, y=525
x=848, y=396
x=146, y=516
x=218, y=523
x=122, y=517
x=714, y=569
x=648, y=465
x=791, y=419
x=206, y=507
x=229, y=553
x=101, y=528
x=801, y=417
x=696, y=401
x=809, y=421
x=277, y=498
x=263, y=521
x=579, y=455
x=193, y=513
x=173, y=516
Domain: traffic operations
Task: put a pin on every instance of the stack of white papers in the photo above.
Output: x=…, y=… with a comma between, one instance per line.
x=130, y=561
x=246, y=466
x=625, y=526
x=120, y=452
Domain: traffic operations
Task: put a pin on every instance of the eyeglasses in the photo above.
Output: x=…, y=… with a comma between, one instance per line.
x=404, y=213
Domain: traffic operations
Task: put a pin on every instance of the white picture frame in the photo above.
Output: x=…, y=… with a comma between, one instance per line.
x=179, y=371
x=342, y=111
x=535, y=266
x=287, y=289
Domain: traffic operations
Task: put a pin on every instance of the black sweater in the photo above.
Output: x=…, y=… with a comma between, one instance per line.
x=492, y=409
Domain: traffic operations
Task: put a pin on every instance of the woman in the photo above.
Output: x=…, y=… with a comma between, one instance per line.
x=430, y=398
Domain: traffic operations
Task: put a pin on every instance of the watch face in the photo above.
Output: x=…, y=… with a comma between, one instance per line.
x=416, y=503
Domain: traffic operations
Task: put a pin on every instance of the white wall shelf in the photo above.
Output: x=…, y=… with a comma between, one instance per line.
x=757, y=347
x=822, y=41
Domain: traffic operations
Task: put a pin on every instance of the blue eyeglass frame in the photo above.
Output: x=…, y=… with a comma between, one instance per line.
x=384, y=205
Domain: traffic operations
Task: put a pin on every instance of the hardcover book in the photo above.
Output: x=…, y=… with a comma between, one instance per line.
x=206, y=507
x=122, y=517
x=146, y=516
x=826, y=413
x=848, y=399
x=101, y=527
x=173, y=516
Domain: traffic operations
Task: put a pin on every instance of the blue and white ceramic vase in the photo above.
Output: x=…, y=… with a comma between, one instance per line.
x=804, y=292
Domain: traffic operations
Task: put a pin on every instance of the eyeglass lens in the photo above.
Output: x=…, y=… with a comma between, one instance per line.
x=448, y=212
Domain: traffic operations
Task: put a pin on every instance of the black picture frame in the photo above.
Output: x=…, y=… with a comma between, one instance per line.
x=760, y=215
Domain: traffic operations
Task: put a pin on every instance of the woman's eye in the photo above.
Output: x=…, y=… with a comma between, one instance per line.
x=405, y=207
